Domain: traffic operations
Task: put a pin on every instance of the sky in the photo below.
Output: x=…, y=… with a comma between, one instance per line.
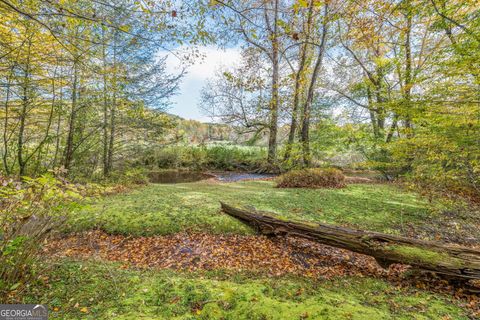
x=185, y=104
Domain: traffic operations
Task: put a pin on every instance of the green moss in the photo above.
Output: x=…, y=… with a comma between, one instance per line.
x=420, y=254
x=90, y=290
x=111, y=293
x=163, y=209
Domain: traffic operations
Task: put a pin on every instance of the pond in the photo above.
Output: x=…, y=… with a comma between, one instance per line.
x=173, y=176
x=239, y=176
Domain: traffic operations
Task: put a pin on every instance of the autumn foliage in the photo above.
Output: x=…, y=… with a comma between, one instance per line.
x=29, y=211
x=312, y=178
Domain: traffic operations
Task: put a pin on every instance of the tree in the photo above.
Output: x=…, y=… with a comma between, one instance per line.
x=73, y=71
x=239, y=96
x=258, y=25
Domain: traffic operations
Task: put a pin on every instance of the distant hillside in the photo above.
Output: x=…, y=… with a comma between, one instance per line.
x=193, y=131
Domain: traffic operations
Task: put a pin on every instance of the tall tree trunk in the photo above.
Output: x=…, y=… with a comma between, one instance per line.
x=373, y=118
x=408, y=71
x=5, y=123
x=69, y=147
x=113, y=108
x=21, y=133
x=274, y=103
x=304, y=138
x=105, y=109
x=112, y=133
x=23, y=112
x=380, y=103
x=58, y=127
x=391, y=131
x=299, y=78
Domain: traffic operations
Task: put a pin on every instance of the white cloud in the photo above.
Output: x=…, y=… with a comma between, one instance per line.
x=185, y=103
x=213, y=59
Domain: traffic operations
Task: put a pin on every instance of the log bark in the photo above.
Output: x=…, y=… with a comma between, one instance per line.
x=445, y=259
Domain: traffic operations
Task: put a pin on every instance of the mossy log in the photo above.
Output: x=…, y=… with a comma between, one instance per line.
x=445, y=259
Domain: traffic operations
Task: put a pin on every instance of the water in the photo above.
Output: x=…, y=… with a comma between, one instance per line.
x=239, y=176
x=172, y=176
x=178, y=176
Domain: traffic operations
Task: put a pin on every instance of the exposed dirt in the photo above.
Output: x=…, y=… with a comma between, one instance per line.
x=274, y=256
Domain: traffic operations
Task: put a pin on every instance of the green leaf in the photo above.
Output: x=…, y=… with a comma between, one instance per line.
x=125, y=28
x=15, y=286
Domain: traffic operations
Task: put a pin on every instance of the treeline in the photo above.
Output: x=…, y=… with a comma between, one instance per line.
x=402, y=77
x=81, y=81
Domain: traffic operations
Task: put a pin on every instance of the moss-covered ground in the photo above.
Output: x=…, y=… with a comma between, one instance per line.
x=87, y=290
x=168, y=208
x=105, y=290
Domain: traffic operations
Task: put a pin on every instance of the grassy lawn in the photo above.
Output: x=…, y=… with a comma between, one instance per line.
x=89, y=290
x=164, y=209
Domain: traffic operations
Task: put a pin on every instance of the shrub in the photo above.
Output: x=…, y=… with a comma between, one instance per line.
x=128, y=177
x=167, y=158
x=312, y=178
x=192, y=157
x=29, y=212
x=433, y=165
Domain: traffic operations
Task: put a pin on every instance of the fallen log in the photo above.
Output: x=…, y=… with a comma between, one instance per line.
x=449, y=260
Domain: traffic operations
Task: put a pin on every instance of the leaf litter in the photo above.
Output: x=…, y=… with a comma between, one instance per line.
x=273, y=256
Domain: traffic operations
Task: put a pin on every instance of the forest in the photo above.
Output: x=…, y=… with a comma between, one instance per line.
x=338, y=175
